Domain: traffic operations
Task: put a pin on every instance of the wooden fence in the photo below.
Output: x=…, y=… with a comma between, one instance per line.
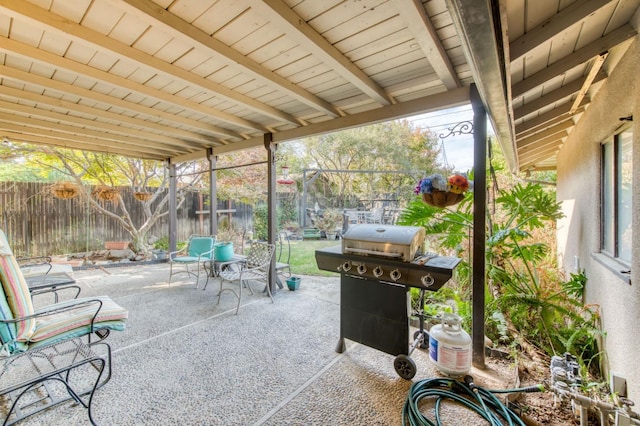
x=37, y=223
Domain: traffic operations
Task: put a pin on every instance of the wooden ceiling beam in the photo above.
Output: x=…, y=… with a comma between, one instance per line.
x=44, y=57
x=76, y=141
x=589, y=80
x=549, y=118
x=437, y=102
x=113, y=129
x=530, y=161
x=555, y=96
x=14, y=122
x=561, y=21
x=81, y=144
x=46, y=83
x=177, y=134
x=576, y=58
x=550, y=131
x=413, y=14
x=542, y=145
x=320, y=47
x=84, y=35
x=174, y=25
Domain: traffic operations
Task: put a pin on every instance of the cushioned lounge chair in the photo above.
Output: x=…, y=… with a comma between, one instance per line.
x=24, y=329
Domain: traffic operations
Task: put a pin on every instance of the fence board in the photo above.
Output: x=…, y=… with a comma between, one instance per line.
x=37, y=223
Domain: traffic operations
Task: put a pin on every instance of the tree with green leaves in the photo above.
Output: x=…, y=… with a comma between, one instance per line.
x=390, y=146
x=88, y=170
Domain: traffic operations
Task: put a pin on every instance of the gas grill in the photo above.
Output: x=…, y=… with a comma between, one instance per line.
x=377, y=265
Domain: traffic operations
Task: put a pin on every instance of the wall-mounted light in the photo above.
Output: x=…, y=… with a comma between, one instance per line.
x=629, y=118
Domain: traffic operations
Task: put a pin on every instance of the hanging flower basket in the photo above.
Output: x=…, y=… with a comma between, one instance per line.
x=442, y=198
x=440, y=192
x=106, y=193
x=143, y=196
x=65, y=190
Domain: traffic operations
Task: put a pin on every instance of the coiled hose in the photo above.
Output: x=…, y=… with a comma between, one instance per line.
x=476, y=398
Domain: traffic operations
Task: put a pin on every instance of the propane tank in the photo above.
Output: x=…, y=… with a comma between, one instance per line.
x=450, y=346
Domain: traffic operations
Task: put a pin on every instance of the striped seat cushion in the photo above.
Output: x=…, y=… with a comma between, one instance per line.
x=8, y=330
x=16, y=291
x=77, y=321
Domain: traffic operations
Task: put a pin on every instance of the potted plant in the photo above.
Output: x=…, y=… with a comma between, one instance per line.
x=330, y=223
x=225, y=238
x=160, y=248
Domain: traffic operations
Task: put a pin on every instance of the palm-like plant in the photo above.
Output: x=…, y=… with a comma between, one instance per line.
x=525, y=286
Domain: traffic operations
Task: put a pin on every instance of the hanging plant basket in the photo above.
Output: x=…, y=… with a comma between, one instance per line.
x=65, y=190
x=143, y=196
x=106, y=193
x=442, y=198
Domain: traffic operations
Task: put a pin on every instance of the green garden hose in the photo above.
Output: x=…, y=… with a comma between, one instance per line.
x=476, y=398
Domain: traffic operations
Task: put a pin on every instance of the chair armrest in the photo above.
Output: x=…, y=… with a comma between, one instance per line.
x=34, y=261
x=208, y=252
x=174, y=254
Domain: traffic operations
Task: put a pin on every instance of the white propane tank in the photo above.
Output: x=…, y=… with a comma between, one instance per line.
x=450, y=346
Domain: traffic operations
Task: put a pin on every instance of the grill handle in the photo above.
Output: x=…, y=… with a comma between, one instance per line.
x=373, y=252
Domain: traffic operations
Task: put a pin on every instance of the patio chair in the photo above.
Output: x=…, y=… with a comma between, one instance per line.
x=284, y=257
x=35, y=265
x=199, y=250
x=25, y=330
x=254, y=268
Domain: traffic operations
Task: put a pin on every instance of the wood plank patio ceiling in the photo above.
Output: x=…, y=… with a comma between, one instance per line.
x=168, y=79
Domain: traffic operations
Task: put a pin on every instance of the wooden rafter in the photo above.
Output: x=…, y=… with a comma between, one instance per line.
x=566, y=18
x=296, y=27
x=547, y=132
x=588, y=81
x=84, y=35
x=175, y=25
x=578, y=57
x=413, y=13
x=47, y=83
x=553, y=97
x=179, y=134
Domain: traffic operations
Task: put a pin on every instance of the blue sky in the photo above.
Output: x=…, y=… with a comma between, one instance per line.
x=457, y=149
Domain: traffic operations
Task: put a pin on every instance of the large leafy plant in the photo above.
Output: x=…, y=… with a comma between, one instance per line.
x=528, y=299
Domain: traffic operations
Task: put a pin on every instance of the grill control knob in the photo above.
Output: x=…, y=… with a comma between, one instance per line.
x=395, y=275
x=362, y=268
x=427, y=280
x=346, y=266
x=377, y=272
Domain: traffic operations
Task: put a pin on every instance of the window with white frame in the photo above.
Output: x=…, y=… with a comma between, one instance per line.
x=616, y=197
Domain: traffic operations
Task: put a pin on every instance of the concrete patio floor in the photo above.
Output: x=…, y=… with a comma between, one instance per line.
x=184, y=360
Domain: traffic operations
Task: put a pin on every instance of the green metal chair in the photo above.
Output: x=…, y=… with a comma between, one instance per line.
x=199, y=250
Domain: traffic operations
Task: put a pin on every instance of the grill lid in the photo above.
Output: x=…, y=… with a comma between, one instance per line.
x=392, y=241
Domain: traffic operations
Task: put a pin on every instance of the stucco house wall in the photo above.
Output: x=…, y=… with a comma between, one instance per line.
x=617, y=298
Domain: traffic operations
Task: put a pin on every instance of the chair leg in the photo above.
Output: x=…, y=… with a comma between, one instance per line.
x=220, y=290
x=198, y=275
x=239, y=296
x=269, y=291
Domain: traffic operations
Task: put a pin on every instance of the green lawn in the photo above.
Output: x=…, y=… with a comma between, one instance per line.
x=303, y=257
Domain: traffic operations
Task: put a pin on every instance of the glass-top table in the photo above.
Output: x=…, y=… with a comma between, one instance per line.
x=52, y=283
